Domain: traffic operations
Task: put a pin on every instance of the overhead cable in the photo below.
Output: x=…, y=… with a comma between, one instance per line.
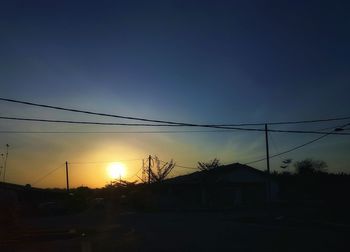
x=46, y=175
x=297, y=147
x=167, y=122
x=229, y=129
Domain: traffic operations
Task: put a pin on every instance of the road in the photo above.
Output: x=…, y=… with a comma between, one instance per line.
x=194, y=231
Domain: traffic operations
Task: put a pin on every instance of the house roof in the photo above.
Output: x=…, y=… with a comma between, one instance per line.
x=220, y=174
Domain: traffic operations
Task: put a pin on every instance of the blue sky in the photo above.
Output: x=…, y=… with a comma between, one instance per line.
x=193, y=61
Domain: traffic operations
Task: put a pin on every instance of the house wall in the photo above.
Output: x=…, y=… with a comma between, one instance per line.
x=237, y=194
x=237, y=187
x=243, y=176
x=192, y=196
x=246, y=176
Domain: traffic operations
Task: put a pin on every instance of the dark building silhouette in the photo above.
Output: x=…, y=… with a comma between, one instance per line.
x=222, y=187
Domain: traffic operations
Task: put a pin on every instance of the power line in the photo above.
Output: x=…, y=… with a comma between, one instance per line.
x=118, y=124
x=290, y=122
x=84, y=122
x=186, y=167
x=302, y=132
x=156, y=125
x=181, y=166
x=169, y=132
x=274, y=145
x=104, y=162
x=297, y=147
x=135, y=175
x=47, y=174
x=287, y=151
x=88, y=112
x=113, y=132
x=168, y=122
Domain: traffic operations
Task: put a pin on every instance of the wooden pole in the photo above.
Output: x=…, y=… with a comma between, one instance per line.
x=149, y=169
x=67, y=177
x=268, y=163
x=5, y=163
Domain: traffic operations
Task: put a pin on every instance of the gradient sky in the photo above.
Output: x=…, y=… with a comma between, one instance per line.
x=190, y=61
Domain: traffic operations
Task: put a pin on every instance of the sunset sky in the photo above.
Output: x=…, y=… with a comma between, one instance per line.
x=207, y=62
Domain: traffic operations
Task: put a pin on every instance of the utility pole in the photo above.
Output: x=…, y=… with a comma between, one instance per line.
x=2, y=163
x=268, y=163
x=67, y=177
x=143, y=176
x=149, y=169
x=5, y=162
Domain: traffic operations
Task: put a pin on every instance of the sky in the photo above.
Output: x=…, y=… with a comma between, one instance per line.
x=205, y=62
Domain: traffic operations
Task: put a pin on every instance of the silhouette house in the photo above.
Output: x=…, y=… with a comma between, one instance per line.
x=225, y=186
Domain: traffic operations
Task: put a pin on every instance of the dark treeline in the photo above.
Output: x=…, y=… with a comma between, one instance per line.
x=312, y=187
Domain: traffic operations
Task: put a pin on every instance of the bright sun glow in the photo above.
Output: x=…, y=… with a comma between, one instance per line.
x=116, y=170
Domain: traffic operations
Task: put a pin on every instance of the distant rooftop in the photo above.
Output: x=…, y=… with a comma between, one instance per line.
x=212, y=175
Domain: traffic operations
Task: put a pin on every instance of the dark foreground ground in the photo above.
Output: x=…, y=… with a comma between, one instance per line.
x=241, y=230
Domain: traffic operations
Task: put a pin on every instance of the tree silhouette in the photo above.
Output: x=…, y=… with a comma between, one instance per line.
x=159, y=172
x=209, y=165
x=119, y=183
x=309, y=166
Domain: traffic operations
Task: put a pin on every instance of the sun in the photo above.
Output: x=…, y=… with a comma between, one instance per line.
x=116, y=170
